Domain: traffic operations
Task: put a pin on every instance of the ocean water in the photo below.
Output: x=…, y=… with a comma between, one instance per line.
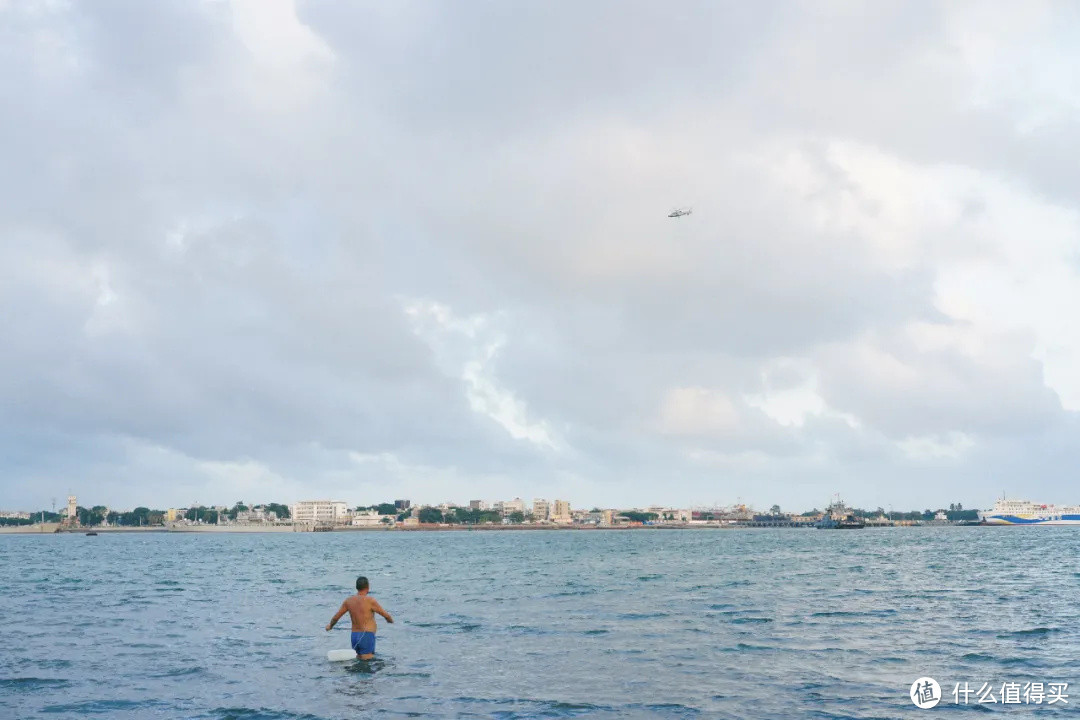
x=760, y=623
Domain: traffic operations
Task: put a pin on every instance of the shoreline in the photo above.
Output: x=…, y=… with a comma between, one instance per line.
x=56, y=529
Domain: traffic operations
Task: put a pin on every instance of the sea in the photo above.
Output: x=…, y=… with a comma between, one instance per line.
x=645, y=623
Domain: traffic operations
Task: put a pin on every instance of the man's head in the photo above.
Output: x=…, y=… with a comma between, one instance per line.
x=361, y=584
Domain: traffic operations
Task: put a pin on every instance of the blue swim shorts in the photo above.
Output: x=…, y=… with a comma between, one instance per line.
x=363, y=643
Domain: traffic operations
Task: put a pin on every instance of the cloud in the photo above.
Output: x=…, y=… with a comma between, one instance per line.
x=697, y=411
x=293, y=234
x=486, y=397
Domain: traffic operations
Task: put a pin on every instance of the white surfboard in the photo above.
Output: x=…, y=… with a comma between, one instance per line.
x=339, y=655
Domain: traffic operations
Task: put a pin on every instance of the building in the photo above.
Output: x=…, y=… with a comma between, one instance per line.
x=72, y=509
x=320, y=512
x=256, y=515
x=670, y=514
x=370, y=518
x=561, y=512
x=541, y=509
x=478, y=505
x=402, y=504
x=171, y=515
x=505, y=507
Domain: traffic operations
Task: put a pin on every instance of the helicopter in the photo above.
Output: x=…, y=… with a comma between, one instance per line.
x=679, y=212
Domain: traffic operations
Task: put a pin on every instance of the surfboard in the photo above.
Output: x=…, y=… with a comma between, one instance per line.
x=339, y=655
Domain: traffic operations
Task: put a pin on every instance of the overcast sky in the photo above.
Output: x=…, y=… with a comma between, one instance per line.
x=274, y=251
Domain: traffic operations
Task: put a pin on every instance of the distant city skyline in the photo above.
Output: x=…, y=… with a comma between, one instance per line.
x=527, y=505
x=292, y=250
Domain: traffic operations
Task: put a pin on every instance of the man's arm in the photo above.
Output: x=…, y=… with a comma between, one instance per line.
x=333, y=621
x=378, y=608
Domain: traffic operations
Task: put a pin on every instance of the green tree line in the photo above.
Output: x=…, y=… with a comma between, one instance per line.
x=466, y=516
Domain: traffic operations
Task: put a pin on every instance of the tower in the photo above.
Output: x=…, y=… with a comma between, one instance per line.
x=71, y=513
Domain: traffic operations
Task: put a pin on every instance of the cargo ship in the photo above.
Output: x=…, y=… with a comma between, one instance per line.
x=1025, y=512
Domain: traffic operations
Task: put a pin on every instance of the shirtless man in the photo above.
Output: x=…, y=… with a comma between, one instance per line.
x=361, y=608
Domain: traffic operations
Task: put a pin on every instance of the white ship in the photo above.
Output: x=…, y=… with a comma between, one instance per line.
x=1025, y=512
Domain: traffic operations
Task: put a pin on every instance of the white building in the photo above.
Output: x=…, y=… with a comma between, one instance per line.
x=670, y=514
x=320, y=512
x=369, y=518
x=541, y=509
x=478, y=505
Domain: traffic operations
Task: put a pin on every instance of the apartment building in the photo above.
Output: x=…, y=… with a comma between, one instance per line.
x=506, y=507
x=320, y=512
x=561, y=512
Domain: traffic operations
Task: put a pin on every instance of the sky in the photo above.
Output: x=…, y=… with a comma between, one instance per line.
x=267, y=250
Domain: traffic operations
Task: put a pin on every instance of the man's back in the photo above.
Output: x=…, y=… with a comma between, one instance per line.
x=361, y=612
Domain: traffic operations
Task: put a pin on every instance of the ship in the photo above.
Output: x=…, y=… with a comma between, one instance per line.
x=1026, y=512
x=837, y=517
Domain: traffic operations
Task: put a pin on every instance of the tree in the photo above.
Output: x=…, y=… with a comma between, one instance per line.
x=431, y=515
x=90, y=517
x=774, y=510
x=386, y=508
x=517, y=517
x=282, y=511
x=135, y=518
x=635, y=516
x=201, y=513
x=39, y=516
